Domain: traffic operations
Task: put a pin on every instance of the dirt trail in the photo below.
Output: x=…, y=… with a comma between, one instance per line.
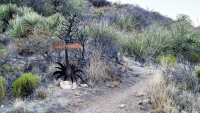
x=111, y=101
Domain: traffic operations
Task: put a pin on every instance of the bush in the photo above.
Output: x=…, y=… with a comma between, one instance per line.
x=6, y=12
x=31, y=20
x=24, y=10
x=6, y=67
x=25, y=85
x=195, y=58
x=96, y=13
x=16, y=29
x=2, y=52
x=169, y=59
x=2, y=88
x=197, y=74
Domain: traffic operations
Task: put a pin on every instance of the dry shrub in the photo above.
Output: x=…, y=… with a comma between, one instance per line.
x=41, y=93
x=18, y=106
x=97, y=71
x=168, y=98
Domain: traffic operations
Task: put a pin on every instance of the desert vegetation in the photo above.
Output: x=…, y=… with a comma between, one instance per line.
x=107, y=32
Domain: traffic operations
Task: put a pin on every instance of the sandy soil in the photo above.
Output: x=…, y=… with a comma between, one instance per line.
x=123, y=94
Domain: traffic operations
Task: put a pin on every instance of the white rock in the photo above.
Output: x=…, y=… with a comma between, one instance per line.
x=76, y=94
x=65, y=84
x=2, y=106
x=122, y=105
x=74, y=86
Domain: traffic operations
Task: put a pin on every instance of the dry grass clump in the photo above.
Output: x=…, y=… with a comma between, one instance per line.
x=41, y=93
x=63, y=103
x=173, y=94
x=18, y=106
x=97, y=71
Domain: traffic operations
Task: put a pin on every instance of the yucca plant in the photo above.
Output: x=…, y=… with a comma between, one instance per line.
x=24, y=10
x=63, y=72
x=17, y=30
x=31, y=20
x=50, y=23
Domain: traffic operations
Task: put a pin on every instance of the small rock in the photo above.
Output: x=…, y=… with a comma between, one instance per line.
x=122, y=105
x=142, y=108
x=93, y=92
x=2, y=106
x=147, y=101
x=183, y=111
x=84, y=85
x=85, y=92
x=76, y=94
x=140, y=103
x=130, y=69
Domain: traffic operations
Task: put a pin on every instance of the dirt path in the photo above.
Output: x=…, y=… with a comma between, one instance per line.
x=110, y=102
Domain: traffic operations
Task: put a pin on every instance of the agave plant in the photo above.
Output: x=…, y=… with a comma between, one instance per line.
x=65, y=72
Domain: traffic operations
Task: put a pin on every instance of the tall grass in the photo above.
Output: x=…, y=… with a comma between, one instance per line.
x=176, y=91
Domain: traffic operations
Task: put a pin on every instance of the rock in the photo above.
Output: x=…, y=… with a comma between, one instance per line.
x=183, y=111
x=65, y=85
x=74, y=86
x=140, y=103
x=77, y=94
x=2, y=106
x=85, y=92
x=122, y=105
x=84, y=85
x=147, y=101
x=139, y=94
x=93, y=92
x=130, y=69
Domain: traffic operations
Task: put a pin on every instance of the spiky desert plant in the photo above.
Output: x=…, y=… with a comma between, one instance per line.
x=24, y=10
x=49, y=23
x=16, y=29
x=63, y=72
x=31, y=20
x=25, y=85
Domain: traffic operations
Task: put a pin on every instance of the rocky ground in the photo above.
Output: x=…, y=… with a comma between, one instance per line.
x=130, y=96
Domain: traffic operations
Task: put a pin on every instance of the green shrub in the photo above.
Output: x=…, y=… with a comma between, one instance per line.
x=6, y=67
x=2, y=52
x=195, y=58
x=16, y=29
x=25, y=85
x=6, y=12
x=197, y=74
x=31, y=20
x=169, y=59
x=24, y=10
x=2, y=88
x=96, y=13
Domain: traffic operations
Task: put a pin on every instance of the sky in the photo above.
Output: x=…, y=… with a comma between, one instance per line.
x=170, y=8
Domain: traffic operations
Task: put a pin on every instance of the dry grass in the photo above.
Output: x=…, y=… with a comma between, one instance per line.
x=170, y=99
x=97, y=71
x=63, y=103
x=18, y=106
x=41, y=92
